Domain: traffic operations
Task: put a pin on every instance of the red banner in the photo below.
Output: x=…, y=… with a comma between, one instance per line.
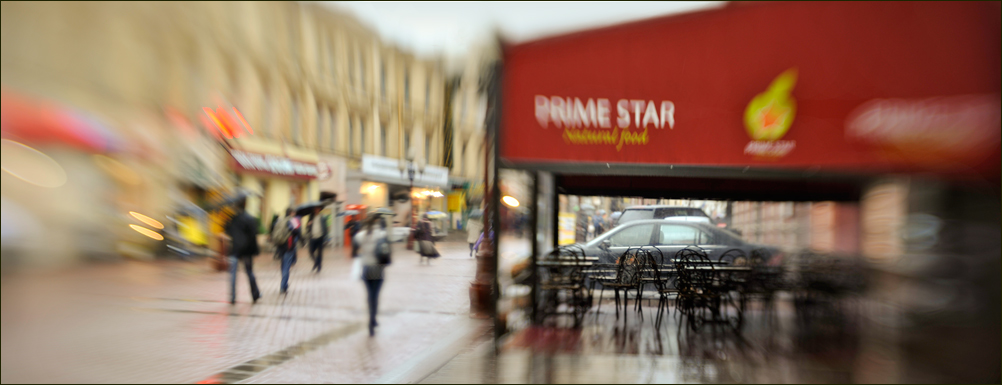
x=877, y=86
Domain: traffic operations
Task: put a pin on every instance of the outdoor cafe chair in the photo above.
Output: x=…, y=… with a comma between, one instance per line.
x=627, y=277
x=562, y=283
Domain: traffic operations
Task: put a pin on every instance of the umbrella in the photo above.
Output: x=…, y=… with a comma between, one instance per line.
x=237, y=196
x=307, y=208
x=586, y=207
x=35, y=121
x=384, y=211
x=328, y=196
x=349, y=212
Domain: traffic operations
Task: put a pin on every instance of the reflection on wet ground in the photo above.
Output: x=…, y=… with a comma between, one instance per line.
x=767, y=350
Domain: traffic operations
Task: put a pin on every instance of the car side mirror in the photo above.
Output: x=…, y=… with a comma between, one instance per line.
x=606, y=243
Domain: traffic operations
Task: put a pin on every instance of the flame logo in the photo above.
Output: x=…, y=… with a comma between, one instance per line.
x=770, y=114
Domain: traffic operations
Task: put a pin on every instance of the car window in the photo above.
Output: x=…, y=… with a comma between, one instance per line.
x=636, y=215
x=639, y=235
x=682, y=236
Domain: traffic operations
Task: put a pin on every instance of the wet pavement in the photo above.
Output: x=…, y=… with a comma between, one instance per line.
x=170, y=322
x=611, y=350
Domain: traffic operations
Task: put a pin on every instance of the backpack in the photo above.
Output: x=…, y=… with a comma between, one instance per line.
x=383, y=251
x=282, y=232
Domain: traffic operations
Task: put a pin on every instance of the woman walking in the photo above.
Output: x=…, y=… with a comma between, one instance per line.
x=364, y=246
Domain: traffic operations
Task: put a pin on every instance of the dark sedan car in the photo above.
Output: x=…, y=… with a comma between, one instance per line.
x=670, y=236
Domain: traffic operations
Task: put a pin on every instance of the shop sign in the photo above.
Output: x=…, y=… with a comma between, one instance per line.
x=734, y=88
x=390, y=168
x=274, y=165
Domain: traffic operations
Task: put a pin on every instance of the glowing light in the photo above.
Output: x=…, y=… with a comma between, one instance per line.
x=510, y=201
x=147, y=232
x=244, y=121
x=215, y=119
x=31, y=165
x=147, y=220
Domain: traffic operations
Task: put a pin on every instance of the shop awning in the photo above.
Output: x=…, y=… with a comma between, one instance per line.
x=853, y=87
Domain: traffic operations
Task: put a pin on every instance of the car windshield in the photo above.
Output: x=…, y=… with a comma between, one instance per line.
x=631, y=215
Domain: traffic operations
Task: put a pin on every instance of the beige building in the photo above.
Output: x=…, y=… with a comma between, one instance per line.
x=313, y=84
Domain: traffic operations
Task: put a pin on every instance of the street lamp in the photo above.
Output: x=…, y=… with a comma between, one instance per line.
x=411, y=166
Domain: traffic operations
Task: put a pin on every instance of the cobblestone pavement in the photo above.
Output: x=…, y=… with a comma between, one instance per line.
x=170, y=322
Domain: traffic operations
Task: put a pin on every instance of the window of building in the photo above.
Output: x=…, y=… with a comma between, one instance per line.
x=427, y=149
x=332, y=129
x=407, y=143
x=351, y=137
x=407, y=87
x=427, y=95
x=462, y=161
x=320, y=127
x=361, y=68
x=382, y=79
x=351, y=67
x=361, y=134
x=382, y=139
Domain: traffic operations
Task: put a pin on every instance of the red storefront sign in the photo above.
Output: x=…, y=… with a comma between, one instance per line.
x=273, y=165
x=851, y=86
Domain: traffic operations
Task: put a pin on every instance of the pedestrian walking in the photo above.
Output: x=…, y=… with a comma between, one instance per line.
x=242, y=230
x=474, y=227
x=318, y=234
x=368, y=245
x=425, y=235
x=286, y=237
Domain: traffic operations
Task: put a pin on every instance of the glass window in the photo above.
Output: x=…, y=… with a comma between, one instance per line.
x=680, y=235
x=427, y=150
x=407, y=143
x=382, y=139
x=332, y=128
x=382, y=79
x=639, y=235
x=427, y=95
x=361, y=134
x=351, y=137
x=320, y=127
x=407, y=87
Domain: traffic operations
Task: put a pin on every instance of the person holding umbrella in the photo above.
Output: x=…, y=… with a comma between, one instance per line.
x=242, y=230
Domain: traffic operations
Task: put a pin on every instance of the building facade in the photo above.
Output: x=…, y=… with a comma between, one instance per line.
x=303, y=83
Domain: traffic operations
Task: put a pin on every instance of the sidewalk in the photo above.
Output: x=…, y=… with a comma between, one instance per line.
x=170, y=322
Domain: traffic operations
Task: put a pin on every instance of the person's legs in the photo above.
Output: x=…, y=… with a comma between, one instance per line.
x=286, y=265
x=233, y=278
x=317, y=252
x=373, y=286
x=249, y=266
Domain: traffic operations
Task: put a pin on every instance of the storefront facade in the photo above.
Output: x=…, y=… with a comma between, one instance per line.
x=283, y=176
x=382, y=182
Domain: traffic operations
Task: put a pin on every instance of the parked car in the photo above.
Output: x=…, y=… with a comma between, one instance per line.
x=669, y=236
x=637, y=213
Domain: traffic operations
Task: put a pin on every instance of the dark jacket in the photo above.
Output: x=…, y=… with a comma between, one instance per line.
x=242, y=230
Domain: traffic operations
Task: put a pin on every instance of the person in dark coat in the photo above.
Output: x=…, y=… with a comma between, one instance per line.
x=317, y=232
x=242, y=230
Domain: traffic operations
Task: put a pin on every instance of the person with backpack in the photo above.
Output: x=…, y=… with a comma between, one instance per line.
x=242, y=230
x=285, y=238
x=373, y=248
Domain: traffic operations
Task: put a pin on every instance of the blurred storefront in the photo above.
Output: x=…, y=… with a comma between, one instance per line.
x=383, y=182
x=283, y=175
